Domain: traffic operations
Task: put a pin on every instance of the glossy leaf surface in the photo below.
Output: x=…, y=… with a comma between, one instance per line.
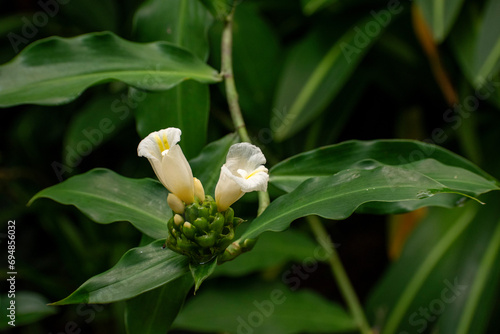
x=57, y=70
x=140, y=269
x=107, y=197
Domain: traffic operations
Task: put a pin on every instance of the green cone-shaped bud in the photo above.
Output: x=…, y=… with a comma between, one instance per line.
x=201, y=232
x=201, y=223
x=207, y=240
x=218, y=223
x=189, y=230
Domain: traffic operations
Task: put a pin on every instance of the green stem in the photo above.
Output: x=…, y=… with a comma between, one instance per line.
x=227, y=73
x=232, y=94
x=340, y=275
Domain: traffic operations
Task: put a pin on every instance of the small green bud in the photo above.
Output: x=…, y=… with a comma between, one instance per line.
x=207, y=240
x=229, y=215
x=170, y=224
x=203, y=212
x=201, y=232
x=218, y=223
x=248, y=244
x=189, y=230
x=201, y=223
x=191, y=213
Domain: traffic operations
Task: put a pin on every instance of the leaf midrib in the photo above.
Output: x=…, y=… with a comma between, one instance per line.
x=245, y=235
x=105, y=199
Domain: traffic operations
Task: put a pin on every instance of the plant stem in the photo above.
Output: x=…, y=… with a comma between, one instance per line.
x=340, y=275
x=232, y=94
x=227, y=73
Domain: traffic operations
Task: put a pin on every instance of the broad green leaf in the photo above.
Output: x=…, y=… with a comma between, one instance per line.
x=264, y=308
x=185, y=106
x=487, y=50
x=206, y=166
x=339, y=195
x=311, y=6
x=431, y=160
x=454, y=280
x=97, y=122
x=107, y=197
x=154, y=311
x=140, y=269
x=273, y=250
x=201, y=272
x=57, y=70
x=312, y=77
x=29, y=307
x=440, y=16
x=184, y=23
x=220, y=9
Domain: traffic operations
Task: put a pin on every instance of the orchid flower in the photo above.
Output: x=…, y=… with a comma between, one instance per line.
x=169, y=164
x=243, y=172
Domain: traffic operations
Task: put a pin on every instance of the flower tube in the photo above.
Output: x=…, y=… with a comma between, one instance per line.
x=243, y=172
x=168, y=162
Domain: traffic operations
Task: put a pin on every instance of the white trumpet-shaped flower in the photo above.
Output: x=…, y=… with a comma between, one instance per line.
x=243, y=172
x=168, y=162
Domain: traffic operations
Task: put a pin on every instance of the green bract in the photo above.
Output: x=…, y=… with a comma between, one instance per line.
x=202, y=232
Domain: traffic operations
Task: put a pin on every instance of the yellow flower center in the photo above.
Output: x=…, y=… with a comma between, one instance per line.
x=162, y=142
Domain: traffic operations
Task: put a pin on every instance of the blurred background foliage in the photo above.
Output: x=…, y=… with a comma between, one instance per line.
x=300, y=88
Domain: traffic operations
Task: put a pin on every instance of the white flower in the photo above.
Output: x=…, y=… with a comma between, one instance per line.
x=168, y=162
x=243, y=172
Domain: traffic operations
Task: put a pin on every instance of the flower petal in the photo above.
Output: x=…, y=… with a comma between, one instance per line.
x=244, y=156
x=227, y=190
x=255, y=181
x=177, y=174
x=157, y=142
x=243, y=172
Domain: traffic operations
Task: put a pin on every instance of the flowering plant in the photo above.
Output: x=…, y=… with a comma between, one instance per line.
x=293, y=79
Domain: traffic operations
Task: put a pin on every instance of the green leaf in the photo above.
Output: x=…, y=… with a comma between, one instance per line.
x=201, y=272
x=206, y=166
x=409, y=154
x=219, y=8
x=311, y=6
x=107, y=197
x=440, y=15
x=30, y=307
x=338, y=196
x=57, y=70
x=96, y=123
x=140, y=269
x=154, y=311
x=312, y=78
x=184, y=23
x=264, y=308
x=455, y=280
x=272, y=250
x=487, y=50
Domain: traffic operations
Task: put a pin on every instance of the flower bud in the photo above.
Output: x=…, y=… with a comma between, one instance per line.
x=178, y=220
x=201, y=232
x=175, y=204
x=201, y=223
x=189, y=230
x=199, y=192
